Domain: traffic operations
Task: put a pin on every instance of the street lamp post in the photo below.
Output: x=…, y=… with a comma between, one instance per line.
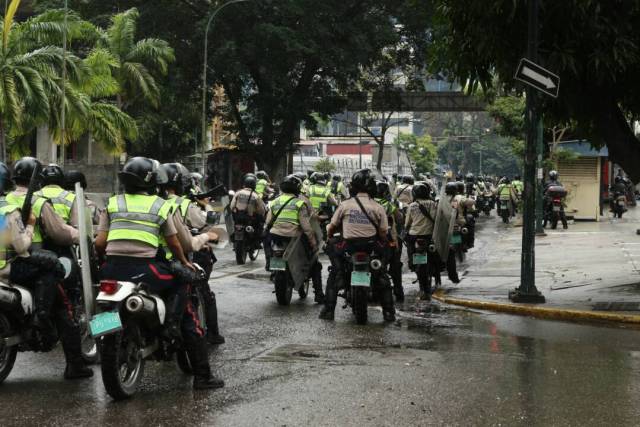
x=204, y=80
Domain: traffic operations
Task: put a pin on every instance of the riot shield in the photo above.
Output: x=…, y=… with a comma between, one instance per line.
x=298, y=261
x=85, y=231
x=317, y=230
x=223, y=236
x=228, y=216
x=443, y=228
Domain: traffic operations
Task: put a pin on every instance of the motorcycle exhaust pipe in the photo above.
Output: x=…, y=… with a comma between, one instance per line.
x=431, y=248
x=137, y=304
x=376, y=264
x=464, y=231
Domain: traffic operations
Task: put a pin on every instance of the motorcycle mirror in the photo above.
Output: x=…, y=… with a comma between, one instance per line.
x=67, y=265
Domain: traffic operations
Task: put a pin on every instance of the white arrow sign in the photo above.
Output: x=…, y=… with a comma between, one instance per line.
x=546, y=81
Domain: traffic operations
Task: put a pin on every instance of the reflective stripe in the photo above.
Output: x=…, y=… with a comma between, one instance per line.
x=128, y=225
x=290, y=212
x=61, y=200
x=137, y=217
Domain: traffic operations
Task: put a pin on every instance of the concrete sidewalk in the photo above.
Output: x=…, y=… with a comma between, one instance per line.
x=589, y=272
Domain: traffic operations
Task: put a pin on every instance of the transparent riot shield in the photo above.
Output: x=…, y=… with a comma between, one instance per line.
x=228, y=216
x=85, y=231
x=298, y=261
x=443, y=228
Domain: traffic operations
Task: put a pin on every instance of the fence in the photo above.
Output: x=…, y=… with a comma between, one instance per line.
x=347, y=167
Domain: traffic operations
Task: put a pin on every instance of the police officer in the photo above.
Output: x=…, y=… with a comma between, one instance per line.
x=63, y=201
x=506, y=191
x=25, y=263
x=451, y=190
x=553, y=181
x=70, y=180
x=395, y=219
x=470, y=185
x=518, y=185
x=247, y=206
x=420, y=223
x=338, y=190
x=262, y=185
x=129, y=235
x=364, y=225
x=320, y=196
x=403, y=191
x=288, y=217
x=188, y=216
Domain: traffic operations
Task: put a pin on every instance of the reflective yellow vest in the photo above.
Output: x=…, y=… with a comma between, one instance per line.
x=5, y=252
x=180, y=203
x=504, y=191
x=18, y=200
x=61, y=199
x=290, y=213
x=261, y=186
x=137, y=217
x=318, y=195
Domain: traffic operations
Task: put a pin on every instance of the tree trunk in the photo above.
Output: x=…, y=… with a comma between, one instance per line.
x=380, y=142
x=624, y=147
x=3, y=142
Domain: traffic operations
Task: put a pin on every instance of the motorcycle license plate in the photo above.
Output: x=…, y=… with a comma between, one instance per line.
x=277, y=264
x=105, y=323
x=505, y=206
x=456, y=239
x=556, y=208
x=361, y=278
x=419, y=259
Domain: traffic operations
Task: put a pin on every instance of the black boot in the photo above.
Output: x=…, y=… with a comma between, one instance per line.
x=199, y=357
x=45, y=295
x=211, y=312
x=328, y=312
x=72, y=347
x=173, y=318
x=331, y=297
x=388, y=308
x=316, y=278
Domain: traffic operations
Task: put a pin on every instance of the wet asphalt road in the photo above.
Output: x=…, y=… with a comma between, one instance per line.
x=436, y=365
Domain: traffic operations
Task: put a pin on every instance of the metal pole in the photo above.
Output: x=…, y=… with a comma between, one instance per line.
x=539, y=181
x=64, y=89
x=203, y=136
x=527, y=291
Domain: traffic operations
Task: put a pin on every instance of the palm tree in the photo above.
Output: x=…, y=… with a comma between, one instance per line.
x=25, y=72
x=135, y=65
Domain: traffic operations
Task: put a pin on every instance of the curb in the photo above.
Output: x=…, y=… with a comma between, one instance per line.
x=540, y=312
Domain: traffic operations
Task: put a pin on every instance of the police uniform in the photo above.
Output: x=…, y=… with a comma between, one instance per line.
x=261, y=187
x=403, y=194
x=420, y=223
x=321, y=198
x=293, y=218
x=394, y=218
x=63, y=201
x=249, y=201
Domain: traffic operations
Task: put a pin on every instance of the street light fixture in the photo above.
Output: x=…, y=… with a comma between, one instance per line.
x=204, y=79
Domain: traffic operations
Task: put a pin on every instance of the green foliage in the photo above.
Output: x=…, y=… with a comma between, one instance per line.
x=422, y=151
x=324, y=165
x=500, y=155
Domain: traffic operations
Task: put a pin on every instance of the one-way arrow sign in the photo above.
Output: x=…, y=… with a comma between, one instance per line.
x=540, y=78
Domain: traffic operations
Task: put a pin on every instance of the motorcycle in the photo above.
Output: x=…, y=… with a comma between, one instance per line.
x=554, y=208
x=457, y=245
x=16, y=324
x=504, y=210
x=485, y=203
x=129, y=328
x=619, y=205
x=361, y=271
x=421, y=249
x=280, y=267
x=246, y=243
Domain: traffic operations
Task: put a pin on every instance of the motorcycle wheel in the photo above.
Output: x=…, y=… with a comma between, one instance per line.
x=184, y=363
x=505, y=218
x=424, y=281
x=253, y=254
x=360, y=296
x=122, y=365
x=241, y=253
x=88, y=345
x=459, y=254
x=283, y=289
x=7, y=354
x=304, y=290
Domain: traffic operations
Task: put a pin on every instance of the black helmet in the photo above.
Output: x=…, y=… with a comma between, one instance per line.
x=470, y=177
x=407, y=179
x=177, y=176
x=506, y=180
x=362, y=181
x=262, y=175
x=460, y=187
x=617, y=179
x=451, y=188
x=516, y=178
x=327, y=176
x=382, y=190
x=70, y=179
x=291, y=185
x=52, y=175
x=309, y=173
x=337, y=178
x=5, y=178
x=23, y=170
x=553, y=175
x=317, y=178
x=420, y=191
x=249, y=181
x=139, y=174
x=301, y=176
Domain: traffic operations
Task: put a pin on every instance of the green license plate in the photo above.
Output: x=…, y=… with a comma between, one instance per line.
x=105, y=323
x=361, y=278
x=456, y=239
x=419, y=259
x=277, y=264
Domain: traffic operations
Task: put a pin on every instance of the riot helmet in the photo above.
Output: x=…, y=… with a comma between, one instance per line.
x=470, y=177
x=362, y=181
x=451, y=188
x=553, y=175
x=516, y=178
x=52, y=175
x=291, y=185
x=139, y=174
x=407, y=179
x=23, y=170
x=70, y=179
x=262, y=175
x=249, y=181
x=337, y=178
x=318, y=178
x=420, y=191
x=382, y=190
x=177, y=177
x=460, y=187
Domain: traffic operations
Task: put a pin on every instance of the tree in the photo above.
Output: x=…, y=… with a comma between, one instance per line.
x=312, y=58
x=595, y=52
x=26, y=69
x=324, y=165
x=421, y=151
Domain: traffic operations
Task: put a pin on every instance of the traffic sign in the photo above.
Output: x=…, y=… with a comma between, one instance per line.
x=537, y=77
